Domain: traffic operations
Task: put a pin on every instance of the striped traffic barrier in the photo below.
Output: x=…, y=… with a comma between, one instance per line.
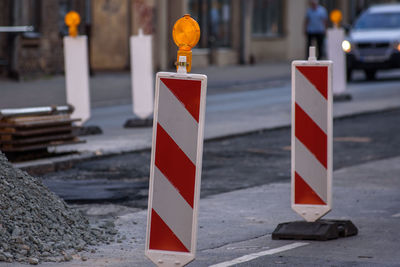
x=311, y=192
x=176, y=156
x=312, y=138
x=176, y=168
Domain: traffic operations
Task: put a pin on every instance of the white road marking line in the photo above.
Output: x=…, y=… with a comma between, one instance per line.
x=396, y=215
x=259, y=254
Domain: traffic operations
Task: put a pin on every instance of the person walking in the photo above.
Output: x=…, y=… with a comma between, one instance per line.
x=315, y=26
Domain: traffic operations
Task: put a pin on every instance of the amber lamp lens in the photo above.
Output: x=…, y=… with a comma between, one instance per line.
x=72, y=19
x=186, y=33
x=336, y=16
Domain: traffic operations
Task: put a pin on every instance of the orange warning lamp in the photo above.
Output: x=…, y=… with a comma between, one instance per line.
x=336, y=17
x=72, y=19
x=186, y=34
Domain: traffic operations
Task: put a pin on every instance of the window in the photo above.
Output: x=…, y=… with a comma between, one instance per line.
x=64, y=7
x=267, y=18
x=214, y=18
x=329, y=4
x=26, y=13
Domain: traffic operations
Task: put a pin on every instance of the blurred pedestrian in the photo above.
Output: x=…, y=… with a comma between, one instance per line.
x=215, y=19
x=315, y=26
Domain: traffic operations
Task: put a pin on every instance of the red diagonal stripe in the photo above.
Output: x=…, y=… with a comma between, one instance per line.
x=162, y=237
x=309, y=133
x=187, y=92
x=304, y=194
x=318, y=76
x=175, y=165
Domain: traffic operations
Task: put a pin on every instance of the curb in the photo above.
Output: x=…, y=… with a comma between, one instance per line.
x=43, y=166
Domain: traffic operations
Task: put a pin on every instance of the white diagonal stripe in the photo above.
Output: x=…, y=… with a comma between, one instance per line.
x=178, y=122
x=311, y=101
x=311, y=170
x=172, y=208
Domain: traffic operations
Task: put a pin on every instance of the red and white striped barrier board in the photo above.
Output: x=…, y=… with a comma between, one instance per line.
x=175, y=170
x=311, y=138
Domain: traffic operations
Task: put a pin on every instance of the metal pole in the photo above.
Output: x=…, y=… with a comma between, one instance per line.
x=35, y=111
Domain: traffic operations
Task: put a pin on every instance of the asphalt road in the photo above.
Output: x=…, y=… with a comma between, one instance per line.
x=228, y=164
x=246, y=194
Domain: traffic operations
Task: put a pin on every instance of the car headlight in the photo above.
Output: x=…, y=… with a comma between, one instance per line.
x=396, y=46
x=346, y=46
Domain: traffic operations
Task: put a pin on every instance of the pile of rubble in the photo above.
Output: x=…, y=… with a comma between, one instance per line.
x=36, y=225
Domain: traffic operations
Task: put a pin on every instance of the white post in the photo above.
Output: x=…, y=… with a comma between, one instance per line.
x=335, y=37
x=77, y=76
x=142, y=75
x=182, y=65
x=311, y=54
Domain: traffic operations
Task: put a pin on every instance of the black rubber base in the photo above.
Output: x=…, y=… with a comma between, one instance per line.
x=88, y=130
x=136, y=122
x=320, y=230
x=342, y=97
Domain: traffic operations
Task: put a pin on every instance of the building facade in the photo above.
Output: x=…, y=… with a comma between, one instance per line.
x=232, y=31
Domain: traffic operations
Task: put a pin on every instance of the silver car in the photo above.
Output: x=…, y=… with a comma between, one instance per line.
x=373, y=42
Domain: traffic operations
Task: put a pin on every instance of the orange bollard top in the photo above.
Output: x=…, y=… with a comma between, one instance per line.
x=336, y=17
x=186, y=34
x=72, y=20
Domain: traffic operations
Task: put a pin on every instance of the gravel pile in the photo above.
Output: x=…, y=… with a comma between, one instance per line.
x=36, y=225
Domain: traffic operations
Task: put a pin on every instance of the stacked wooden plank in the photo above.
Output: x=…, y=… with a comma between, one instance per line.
x=30, y=129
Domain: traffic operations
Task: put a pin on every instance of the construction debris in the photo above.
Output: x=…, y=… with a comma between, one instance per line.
x=36, y=225
x=32, y=129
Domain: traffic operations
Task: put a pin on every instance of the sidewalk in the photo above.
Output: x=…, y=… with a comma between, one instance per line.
x=114, y=88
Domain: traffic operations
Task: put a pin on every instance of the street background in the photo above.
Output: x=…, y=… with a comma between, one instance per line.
x=245, y=173
x=245, y=190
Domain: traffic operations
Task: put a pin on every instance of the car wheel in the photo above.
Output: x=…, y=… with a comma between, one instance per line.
x=349, y=73
x=370, y=74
